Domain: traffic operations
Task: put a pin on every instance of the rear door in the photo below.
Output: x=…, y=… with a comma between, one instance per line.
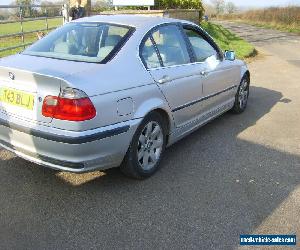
x=168, y=59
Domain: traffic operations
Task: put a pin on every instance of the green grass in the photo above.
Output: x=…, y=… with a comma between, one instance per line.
x=27, y=26
x=229, y=41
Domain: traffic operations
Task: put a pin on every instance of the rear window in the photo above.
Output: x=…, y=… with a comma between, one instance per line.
x=84, y=42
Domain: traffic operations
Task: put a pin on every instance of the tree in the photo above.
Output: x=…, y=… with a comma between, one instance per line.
x=27, y=9
x=219, y=6
x=209, y=9
x=230, y=7
x=48, y=9
x=4, y=14
x=178, y=4
x=102, y=5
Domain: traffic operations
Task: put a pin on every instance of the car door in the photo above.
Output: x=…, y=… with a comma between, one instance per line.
x=219, y=77
x=168, y=59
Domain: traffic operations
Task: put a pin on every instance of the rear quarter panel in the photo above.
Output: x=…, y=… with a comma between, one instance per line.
x=121, y=90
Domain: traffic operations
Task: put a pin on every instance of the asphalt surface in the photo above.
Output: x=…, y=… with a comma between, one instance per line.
x=239, y=174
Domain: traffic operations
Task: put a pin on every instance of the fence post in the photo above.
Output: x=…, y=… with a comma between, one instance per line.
x=21, y=23
x=47, y=25
x=65, y=13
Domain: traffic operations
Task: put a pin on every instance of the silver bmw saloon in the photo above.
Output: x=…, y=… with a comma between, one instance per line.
x=109, y=91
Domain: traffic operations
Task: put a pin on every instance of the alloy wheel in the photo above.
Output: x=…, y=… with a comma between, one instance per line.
x=150, y=145
x=243, y=94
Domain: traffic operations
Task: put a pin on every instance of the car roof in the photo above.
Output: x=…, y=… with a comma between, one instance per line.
x=137, y=21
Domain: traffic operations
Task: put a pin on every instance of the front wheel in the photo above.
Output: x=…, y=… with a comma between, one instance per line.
x=242, y=95
x=146, y=149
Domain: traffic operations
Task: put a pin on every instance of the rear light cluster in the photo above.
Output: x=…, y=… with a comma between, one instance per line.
x=71, y=105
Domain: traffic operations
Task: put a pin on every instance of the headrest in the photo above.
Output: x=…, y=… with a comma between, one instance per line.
x=104, y=51
x=112, y=40
x=63, y=48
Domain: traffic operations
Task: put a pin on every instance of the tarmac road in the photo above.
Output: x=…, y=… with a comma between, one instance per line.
x=239, y=174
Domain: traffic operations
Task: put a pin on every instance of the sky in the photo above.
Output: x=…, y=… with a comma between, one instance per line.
x=242, y=3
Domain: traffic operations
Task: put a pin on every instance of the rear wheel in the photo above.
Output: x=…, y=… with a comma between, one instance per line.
x=241, y=98
x=146, y=149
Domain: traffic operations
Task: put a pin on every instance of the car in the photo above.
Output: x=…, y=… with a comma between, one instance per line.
x=115, y=91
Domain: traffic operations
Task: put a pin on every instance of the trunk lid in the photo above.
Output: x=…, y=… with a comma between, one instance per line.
x=26, y=80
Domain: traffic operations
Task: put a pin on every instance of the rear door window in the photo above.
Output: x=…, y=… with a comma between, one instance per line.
x=149, y=55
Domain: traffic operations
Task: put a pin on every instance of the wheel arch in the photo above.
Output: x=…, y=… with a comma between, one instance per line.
x=245, y=71
x=247, y=74
x=166, y=118
x=159, y=107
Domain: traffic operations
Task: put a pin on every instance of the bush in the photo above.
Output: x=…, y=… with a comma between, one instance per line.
x=178, y=4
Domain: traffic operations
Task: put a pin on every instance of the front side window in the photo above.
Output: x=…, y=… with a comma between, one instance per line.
x=85, y=42
x=171, y=45
x=202, y=48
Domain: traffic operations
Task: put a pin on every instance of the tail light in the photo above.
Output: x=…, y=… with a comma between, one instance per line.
x=70, y=105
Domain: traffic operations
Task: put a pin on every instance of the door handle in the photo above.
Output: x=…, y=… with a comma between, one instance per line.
x=164, y=79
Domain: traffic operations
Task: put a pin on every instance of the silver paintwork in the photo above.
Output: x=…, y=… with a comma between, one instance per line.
x=123, y=92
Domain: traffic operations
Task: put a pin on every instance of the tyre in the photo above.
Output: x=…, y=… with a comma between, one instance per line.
x=143, y=157
x=242, y=95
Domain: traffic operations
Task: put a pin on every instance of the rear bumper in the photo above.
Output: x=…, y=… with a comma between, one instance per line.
x=71, y=151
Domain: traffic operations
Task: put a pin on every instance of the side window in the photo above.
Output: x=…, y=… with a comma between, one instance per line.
x=171, y=45
x=202, y=48
x=149, y=55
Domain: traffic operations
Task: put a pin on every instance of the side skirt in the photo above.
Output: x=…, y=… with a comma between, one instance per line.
x=187, y=129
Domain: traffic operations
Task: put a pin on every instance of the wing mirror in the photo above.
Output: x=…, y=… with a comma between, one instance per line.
x=229, y=55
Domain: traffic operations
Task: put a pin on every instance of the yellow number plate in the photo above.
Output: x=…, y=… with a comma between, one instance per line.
x=17, y=98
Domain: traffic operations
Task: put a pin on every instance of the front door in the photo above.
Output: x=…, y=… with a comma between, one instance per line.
x=219, y=77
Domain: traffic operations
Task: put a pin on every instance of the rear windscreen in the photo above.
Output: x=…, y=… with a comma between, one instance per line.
x=85, y=42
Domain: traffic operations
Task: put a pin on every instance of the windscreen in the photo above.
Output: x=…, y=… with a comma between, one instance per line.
x=84, y=42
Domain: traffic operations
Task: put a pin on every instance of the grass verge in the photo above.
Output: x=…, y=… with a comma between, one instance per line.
x=229, y=41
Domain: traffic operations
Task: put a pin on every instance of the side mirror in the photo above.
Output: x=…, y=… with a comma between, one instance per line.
x=229, y=55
